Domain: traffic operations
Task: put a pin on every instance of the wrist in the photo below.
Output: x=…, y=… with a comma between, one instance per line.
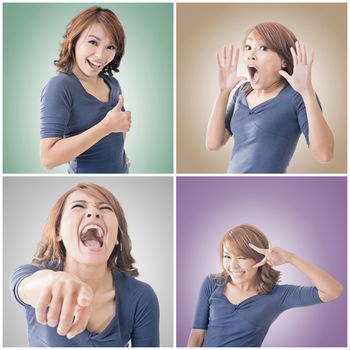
x=307, y=93
x=103, y=126
x=292, y=258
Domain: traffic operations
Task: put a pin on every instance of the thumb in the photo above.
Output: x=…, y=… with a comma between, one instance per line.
x=85, y=296
x=120, y=103
x=285, y=75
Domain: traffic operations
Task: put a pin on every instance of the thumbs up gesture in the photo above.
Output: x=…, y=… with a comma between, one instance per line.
x=116, y=120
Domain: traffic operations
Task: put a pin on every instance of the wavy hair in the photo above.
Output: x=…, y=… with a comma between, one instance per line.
x=78, y=24
x=277, y=38
x=238, y=239
x=52, y=252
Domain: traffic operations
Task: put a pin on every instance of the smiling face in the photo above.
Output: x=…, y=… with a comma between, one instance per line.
x=88, y=229
x=93, y=51
x=262, y=64
x=239, y=267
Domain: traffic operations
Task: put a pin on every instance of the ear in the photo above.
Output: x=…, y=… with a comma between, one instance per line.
x=284, y=64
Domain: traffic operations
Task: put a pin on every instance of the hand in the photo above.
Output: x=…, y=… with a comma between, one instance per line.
x=65, y=303
x=300, y=80
x=273, y=256
x=228, y=78
x=116, y=120
x=127, y=161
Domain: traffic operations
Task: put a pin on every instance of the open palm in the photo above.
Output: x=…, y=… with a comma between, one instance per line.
x=228, y=77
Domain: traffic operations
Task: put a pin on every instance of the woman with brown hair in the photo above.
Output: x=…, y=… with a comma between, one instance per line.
x=80, y=289
x=83, y=120
x=268, y=113
x=237, y=306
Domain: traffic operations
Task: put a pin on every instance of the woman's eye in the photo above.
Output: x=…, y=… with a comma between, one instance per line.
x=241, y=258
x=93, y=42
x=111, y=47
x=263, y=48
x=106, y=208
x=227, y=257
x=77, y=206
x=247, y=47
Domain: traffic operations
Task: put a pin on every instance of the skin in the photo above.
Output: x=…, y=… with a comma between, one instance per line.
x=67, y=299
x=243, y=273
x=95, y=45
x=269, y=84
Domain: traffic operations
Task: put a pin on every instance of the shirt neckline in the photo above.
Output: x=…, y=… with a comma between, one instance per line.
x=92, y=96
x=264, y=102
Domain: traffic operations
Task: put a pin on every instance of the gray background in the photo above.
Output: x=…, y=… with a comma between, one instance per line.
x=148, y=206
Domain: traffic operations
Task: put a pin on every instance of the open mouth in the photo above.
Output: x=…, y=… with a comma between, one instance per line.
x=92, y=236
x=253, y=74
x=93, y=65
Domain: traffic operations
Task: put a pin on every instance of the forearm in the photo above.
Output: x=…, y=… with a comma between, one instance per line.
x=66, y=149
x=328, y=287
x=320, y=135
x=196, y=338
x=30, y=288
x=217, y=135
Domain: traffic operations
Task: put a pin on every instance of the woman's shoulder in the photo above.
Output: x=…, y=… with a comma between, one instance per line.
x=61, y=82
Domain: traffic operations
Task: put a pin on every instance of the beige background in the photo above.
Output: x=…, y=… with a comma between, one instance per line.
x=204, y=29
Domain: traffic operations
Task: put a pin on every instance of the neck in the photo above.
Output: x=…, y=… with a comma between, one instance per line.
x=272, y=89
x=82, y=77
x=250, y=286
x=98, y=277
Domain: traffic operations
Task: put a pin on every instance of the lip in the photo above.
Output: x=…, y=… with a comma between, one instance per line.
x=101, y=234
x=93, y=65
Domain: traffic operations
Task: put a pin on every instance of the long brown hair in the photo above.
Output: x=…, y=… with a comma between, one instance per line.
x=78, y=24
x=50, y=251
x=277, y=38
x=238, y=239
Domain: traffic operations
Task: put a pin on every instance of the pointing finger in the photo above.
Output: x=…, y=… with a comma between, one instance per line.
x=85, y=296
x=260, y=263
x=257, y=249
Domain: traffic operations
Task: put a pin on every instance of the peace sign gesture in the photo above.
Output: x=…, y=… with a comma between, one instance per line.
x=300, y=80
x=228, y=77
x=272, y=256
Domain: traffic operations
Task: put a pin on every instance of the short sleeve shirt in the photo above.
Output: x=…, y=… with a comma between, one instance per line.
x=136, y=319
x=245, y=324
x=67, y=109
x=265, y=137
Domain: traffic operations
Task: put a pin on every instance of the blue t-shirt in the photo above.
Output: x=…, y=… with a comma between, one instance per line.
x=265, y=137
x=245, y=324
x=67, y=109
x=136, y=319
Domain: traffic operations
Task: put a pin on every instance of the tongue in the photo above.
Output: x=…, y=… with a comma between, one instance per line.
x=92, y=243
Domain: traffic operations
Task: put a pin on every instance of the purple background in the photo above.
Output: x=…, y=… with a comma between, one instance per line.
x=306, y=215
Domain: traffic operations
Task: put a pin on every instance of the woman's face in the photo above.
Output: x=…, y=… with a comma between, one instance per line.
x=262, y=64
x=88, y=229
x=239, y=267
x=93, y=50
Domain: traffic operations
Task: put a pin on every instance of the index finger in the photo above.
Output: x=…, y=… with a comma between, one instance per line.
x=257, y=249
x=85, y=296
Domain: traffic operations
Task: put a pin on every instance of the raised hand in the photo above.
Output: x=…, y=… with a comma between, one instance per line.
x=272, y=256
x=228, y=77
x=65, y=303
x=116, y=120
x=300, y=80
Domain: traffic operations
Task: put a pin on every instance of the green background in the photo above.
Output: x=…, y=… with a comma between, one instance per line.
x=31, y=37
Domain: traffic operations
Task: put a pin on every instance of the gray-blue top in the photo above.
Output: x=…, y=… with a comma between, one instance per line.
x=136, y=319
x=67, y=109
x=245, y=324
x=265, y=137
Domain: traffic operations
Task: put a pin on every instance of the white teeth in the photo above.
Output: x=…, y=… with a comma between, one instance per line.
x=98, y=228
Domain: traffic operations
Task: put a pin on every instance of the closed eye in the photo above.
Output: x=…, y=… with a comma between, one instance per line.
x=77, y=206
x=106, y=207
x=227, y=256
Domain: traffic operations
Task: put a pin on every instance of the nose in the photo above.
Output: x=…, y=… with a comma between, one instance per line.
x=234, y=263
x=93, y=212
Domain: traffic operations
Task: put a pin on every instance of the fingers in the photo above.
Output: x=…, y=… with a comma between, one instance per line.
x=312, y=58
x=120, y=104
x=218, y=60
x=284, y=74
x=294, y=55
x=236, y=58
x=80, y=322
x=298, y=49
x=257, y=249
x=67, y=313
x=41, y=308
x=85, y=296
x=231, y=60
x=260, y=263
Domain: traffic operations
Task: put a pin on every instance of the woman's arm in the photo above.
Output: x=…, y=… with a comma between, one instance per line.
x=196, y=338
x=60, y=299
x=321, y=140
x=328, y=287
x=217, y=135
x=55, y=151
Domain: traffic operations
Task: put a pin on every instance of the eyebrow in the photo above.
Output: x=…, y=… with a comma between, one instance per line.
x=85, y=202
x=94, y=36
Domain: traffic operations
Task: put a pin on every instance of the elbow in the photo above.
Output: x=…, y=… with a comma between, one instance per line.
x=323, y=155
x=46, y=162
x=213, y=145
x=334, y=294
